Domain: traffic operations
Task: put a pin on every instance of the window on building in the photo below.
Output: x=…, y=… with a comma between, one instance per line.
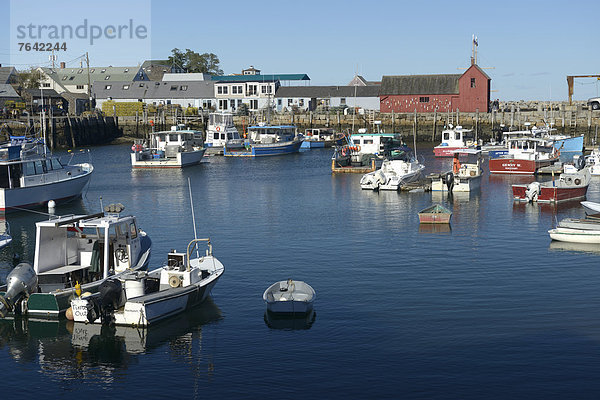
x=79, y=86
x=126, y=70
x=472, y=82
x=252, y=90
x=301, y=102
x=279, y=102
x=423, y=99
x=173, y=87
x=125, y=87
x=263, y=89
x=92, y=70
x=107, y=87
x=254, y=104
x=343, y=101
x=225, y=90
x=103, y=71
x=183, y=87
x=232, y=104
x=107, y=77
x=223, y=104
x=71, y=78
x=46, y=85
x=290, y=101
x=234, y=90
x=80, y=71
x=141, y=85
x=219, y=90
x=64, y=78
x=239, y=102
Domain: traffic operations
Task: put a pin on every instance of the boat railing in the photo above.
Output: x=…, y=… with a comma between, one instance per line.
x=193, y=245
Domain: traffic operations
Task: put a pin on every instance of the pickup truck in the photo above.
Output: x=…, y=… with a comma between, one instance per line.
x=594, y=103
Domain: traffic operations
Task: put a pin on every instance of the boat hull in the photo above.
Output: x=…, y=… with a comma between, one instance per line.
x=446, y=151
x=575, y=235
x=262, y=150
x=569, y=145
x=39, y=195
x=183, y=159
x=466, y=184
x=550, y=194
x=505, y=165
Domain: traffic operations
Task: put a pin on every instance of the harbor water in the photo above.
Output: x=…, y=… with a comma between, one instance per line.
x=485, y=308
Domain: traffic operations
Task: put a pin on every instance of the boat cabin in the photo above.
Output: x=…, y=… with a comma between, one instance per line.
x=84, y=248
x=318, y=134
x=271, y=133
x=375, y=143
x=220, y=129
x=457, y=137
x=467, y=162
x=176, y=140
x=530, y=149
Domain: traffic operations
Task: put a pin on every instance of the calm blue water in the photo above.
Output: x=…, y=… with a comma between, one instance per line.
x=486, y=309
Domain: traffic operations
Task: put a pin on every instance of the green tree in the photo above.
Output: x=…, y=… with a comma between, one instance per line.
x=30, y=79
x=195, y=62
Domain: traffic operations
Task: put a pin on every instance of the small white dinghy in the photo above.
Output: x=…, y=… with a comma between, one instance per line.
x=289, y=297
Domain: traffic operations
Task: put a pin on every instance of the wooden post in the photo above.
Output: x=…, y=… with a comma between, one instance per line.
x=476, y=125
x=137, y=123
x=393, y=122
x=415, y=133
x=589, y=122
x=434, y=124
x=457, y=116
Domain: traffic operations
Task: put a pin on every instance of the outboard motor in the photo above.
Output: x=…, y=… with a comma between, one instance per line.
x=20, y=283
x=450, y=181
x=110, y=299
x=579, y=162
x=532, y=191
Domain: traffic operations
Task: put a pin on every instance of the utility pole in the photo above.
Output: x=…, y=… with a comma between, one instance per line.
x=87, y=61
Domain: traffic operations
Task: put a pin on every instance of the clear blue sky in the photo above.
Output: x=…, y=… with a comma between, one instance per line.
x=531, y=45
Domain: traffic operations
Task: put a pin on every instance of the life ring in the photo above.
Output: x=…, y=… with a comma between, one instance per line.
x=218, y=128
x=133, y=147
x=577, y=181
x=343, y=151
x=358, y=148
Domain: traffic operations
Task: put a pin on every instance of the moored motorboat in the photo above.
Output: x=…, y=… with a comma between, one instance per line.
x=142, y=298
x=289, y=297
x=569, y=186
x=454, y=138
x=220, y=131
x=526, y=155
x=400, y=168
x=592, y=160
x=80, y=250
x=320, y=138
x=30, y=176
x=573, y=235
x=435, y=214
x=465, y=175
x=361, y=151
x=177, y=148
x=266, y=140
x=591, y=207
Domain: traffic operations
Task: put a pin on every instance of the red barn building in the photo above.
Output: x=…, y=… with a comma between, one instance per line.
x=426, y=93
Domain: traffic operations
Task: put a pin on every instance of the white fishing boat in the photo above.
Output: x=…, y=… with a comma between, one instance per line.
x=73, y=250
x=465, y=175
x=289, y=297
x=266, y=140
x=454, y=138
x=30, y=176
x=573, y=235
x=177, y=148
x=142, y=298
x=400, y=168
x=221, y=131
x=360, y=150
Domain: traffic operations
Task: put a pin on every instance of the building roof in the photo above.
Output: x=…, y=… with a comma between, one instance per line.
x=359, y=80
x=327, y=91
x=79, y=76
x=420, y=84
x=154, y=90
x=188, y=76
x=7, y=91
x=46, y=93
x=261, y=78
x=6, y=73
x=482, y=71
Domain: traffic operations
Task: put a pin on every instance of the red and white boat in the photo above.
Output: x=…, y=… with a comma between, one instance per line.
x=454, y=139
x=571, y=185
x=526, y=155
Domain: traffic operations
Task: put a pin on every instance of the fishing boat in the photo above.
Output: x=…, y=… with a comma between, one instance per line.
x=177, y=148
x=591, y=207
x=320, y=138
x=361, y=151
x=266, y=140
x=465, y=175
x=221, y=130
x=569, y=186
x=73, y=250
x=454, y=138
x=400, y=168
x=289, y=297
x=143, y=298
x=526, y=155
x=30, y=176
x=435, y=214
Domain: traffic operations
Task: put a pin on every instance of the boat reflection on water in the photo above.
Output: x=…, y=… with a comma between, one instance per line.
x=290, y=323
x=435, y=228
x=72, y=349
x=591, y=248
x=545, y=208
